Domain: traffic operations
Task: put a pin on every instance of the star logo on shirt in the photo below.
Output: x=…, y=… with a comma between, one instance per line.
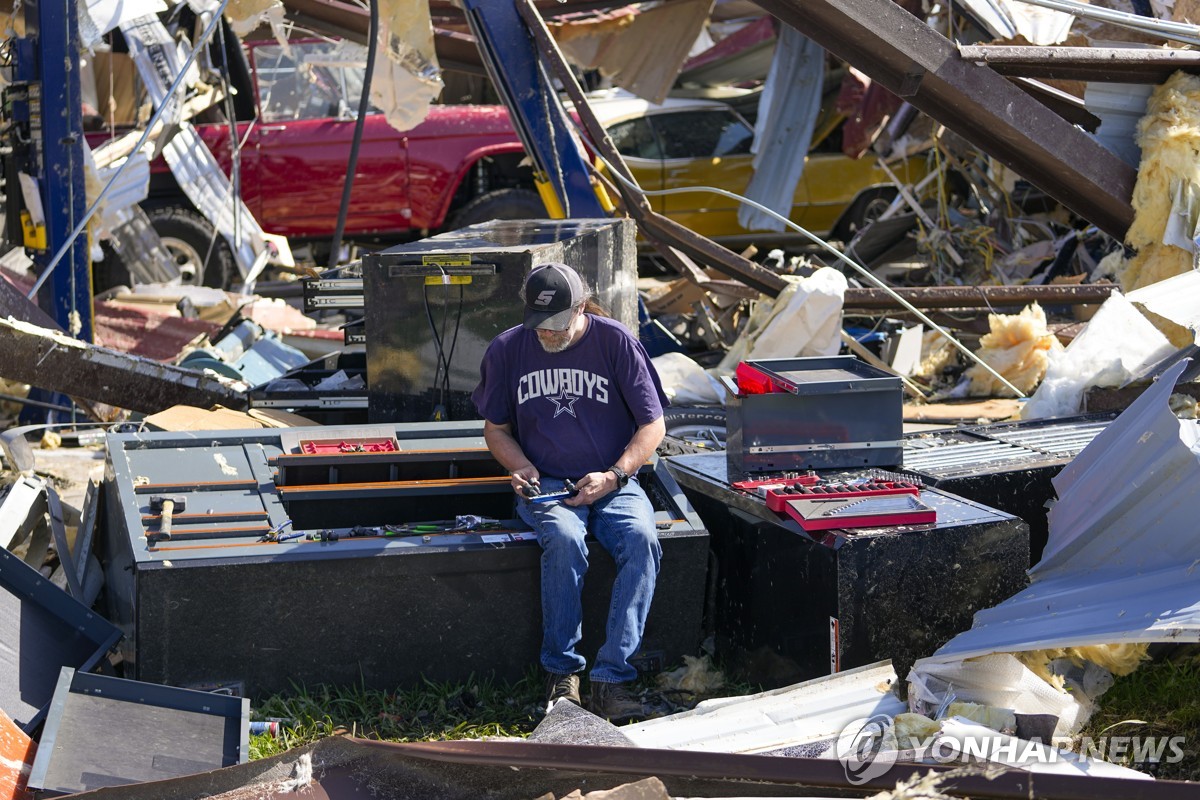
x=563, y=404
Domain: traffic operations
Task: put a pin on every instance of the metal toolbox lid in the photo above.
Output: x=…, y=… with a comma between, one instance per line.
x=104, y=731
x=825, y=375
x=42, y=628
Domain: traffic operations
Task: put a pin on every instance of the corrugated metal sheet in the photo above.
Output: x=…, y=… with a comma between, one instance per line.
x=1123, y=546
x=788, y=110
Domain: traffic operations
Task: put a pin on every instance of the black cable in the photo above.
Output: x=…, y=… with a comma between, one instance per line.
x=441, y=375
x=364, y=104
x=454, y=341
x=437, y=344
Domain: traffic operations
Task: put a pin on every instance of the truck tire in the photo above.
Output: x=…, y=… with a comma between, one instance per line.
x=188, y=236
x=500, y=204
x=693, y=429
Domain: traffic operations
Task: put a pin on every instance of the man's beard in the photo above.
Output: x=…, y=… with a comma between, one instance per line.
x=554, y=341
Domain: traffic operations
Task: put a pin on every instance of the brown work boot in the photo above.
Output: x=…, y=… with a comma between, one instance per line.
x=615, y=703
x=561, y=687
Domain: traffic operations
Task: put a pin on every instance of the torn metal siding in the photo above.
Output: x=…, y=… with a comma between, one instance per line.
x=1123, y=549
x=812, y=711
x=1129, y=499
x=788, y=111
x=59, y=363
x=917, y=64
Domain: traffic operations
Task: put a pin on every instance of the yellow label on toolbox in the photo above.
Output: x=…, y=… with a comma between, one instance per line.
x=447, y=261
x=447, y=280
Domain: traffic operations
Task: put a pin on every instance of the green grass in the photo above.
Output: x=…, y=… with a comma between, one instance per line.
x=1160, y=698
x=430, y=712
x=433, y=711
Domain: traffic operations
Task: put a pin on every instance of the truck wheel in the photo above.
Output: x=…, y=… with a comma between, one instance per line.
x=695, y=429
x=189, y=237
x=500, y=204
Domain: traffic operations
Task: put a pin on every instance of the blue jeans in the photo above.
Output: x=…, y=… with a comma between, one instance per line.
x=623, y=523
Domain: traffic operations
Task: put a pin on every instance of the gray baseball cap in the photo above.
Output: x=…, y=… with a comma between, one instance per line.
x=552, y=291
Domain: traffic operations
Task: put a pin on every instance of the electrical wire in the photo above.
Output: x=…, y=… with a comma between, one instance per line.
x=154, y=118
x=441, y=374
x=866, y=273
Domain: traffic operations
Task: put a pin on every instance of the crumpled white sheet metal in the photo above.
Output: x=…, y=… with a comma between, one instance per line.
x=158, y=60
x=788, y=110
x=1123, y=546
x=813, y=711
x=1007, y=19
x=98, y=17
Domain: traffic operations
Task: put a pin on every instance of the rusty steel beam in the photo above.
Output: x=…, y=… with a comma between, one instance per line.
x=54, y=361
x=1103, y=64
x=914, y=62
x=979, y=296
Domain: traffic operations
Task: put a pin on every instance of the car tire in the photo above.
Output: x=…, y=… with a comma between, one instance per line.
x=693, y=429
x=865, y=209
x=189, y=237
x=500, y=204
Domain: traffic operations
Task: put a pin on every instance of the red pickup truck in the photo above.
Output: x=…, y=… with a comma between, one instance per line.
x=463, y=164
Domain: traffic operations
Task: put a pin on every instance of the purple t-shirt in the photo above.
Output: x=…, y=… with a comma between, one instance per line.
x=572, y=412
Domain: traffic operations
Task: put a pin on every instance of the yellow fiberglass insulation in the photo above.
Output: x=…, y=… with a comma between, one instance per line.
x=1168, y=182
x=1016, y=347
x=1119, y=659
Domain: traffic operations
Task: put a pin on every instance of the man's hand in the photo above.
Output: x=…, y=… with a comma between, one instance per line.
x=591, y=488
x=525, y=478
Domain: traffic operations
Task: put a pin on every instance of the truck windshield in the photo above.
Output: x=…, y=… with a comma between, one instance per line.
x=309, y=80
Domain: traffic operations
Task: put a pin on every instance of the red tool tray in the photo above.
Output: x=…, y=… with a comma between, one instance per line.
x=877, y=511
x=777, y=499
x=807, y=479
x=335, y=446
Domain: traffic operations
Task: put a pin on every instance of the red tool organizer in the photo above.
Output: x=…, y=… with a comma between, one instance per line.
x=777, y=499
x=335, y=446
x=880, y=500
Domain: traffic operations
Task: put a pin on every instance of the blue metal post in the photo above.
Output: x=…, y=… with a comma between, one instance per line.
x=512, y=60
x=56, y=127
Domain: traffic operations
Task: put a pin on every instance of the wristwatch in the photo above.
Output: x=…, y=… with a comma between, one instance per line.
x=622, y=475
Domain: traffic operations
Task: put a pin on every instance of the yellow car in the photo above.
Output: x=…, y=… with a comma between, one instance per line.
x=697, y=142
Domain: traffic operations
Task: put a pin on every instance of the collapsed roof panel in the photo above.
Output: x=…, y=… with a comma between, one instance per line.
x=1119, y=561
x=919, y=65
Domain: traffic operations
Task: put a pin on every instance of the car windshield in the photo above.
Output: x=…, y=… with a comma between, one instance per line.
x=702, y=133
x=310, y=80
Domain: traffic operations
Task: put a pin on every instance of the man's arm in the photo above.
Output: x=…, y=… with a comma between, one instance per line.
x=505, y=449
x=595, y=485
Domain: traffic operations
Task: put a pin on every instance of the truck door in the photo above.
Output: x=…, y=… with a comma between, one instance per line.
x=308, y=97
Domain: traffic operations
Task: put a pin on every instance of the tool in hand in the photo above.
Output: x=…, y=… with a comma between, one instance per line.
x=165, y=505
x=532, y=488
x=569, y=490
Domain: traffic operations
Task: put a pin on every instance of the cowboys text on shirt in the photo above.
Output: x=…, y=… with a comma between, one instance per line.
x=560, y=382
